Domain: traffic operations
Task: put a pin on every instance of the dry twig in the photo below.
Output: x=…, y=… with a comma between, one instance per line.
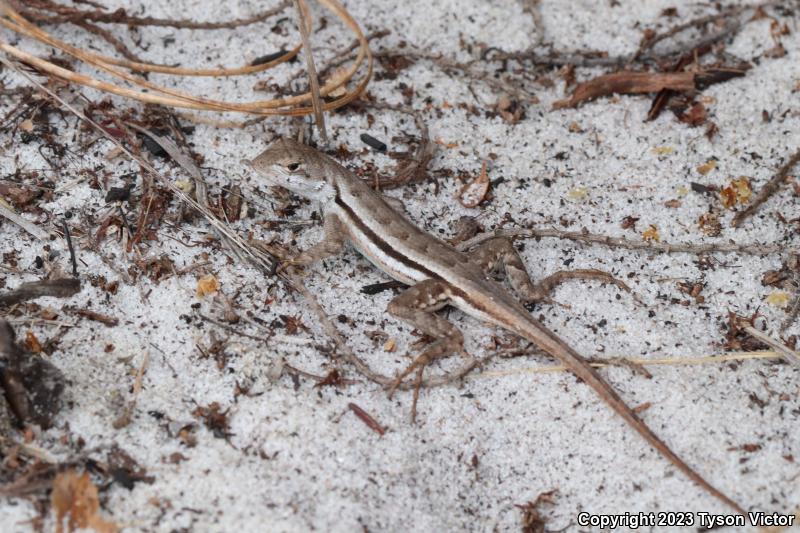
x=59, y=288
x=645, y=82
x=619, y=242
x=120, y=16
x=125, y=418
x=768, y=190
x=671, y=361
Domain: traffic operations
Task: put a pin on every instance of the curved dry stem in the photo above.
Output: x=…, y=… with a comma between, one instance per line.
x=19, y=24
x=294, y=105
x=70, y=14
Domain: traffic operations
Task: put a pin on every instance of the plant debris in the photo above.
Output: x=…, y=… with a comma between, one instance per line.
x=59, y=288
x=532, y=519
x=474, y=192
x=215, y=419
x=367, y=419
x=75, y=499
x=207, y=285
x=32, y=385
x=645, y=82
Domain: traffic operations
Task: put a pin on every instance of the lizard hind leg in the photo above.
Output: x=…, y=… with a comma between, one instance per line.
x=417, y=306
x=501, y=252
x=549, y=283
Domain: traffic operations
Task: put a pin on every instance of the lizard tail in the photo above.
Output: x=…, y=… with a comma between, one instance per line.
x=550, y=343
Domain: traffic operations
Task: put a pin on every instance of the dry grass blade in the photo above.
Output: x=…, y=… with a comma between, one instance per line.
x=12, y=20
x=151, y=93
x=172, y=149
x=789, y=355
x=306, y=28
x=30, y=227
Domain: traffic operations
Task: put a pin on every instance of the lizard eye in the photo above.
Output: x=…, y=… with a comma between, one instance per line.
x=292, y=167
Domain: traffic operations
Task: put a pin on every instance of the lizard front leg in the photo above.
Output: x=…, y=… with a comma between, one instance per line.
x=332, y=243
x=417, y=306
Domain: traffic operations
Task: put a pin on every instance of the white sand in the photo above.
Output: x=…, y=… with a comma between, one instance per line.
x=294, y=462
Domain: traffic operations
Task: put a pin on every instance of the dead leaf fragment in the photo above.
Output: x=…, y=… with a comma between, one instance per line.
x=74, y=495
x=574, y=127
x=474, y=192
x=695, y=116
x=742, y=187
x=445, y=144
x=629, y=222
x=663, y=150
x=533, y=521
x=19, y=197
x=215, y=419
x=32, y=344
x=709, y=224
x=707, y=167
x=737, y=192
x=578, y=193
x=510, y=110
x=651, y=234
x=390, y=345
x=206, y=285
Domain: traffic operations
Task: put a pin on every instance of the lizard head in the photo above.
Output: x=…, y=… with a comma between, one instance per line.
x=297, y=167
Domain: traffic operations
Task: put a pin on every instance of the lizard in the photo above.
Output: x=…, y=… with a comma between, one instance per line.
x=437, y=273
